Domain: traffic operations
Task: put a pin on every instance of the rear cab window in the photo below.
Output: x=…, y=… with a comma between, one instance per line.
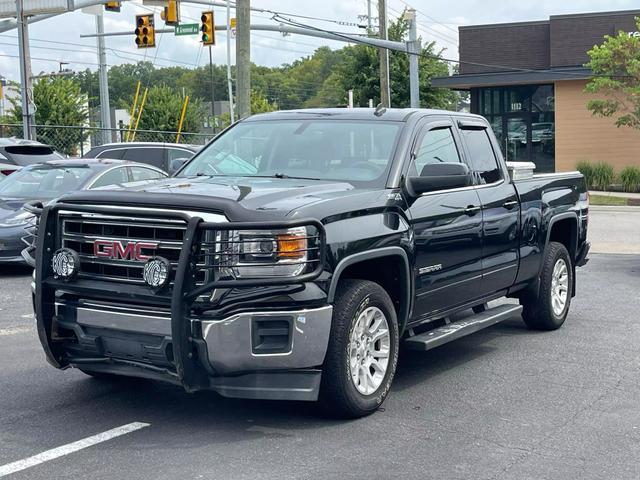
x=482, y=157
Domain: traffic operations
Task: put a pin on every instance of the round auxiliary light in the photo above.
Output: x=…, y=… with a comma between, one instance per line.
x=156, y=272
x=65, y=263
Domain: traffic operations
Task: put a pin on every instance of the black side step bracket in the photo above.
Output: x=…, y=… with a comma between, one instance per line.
x=453, y=331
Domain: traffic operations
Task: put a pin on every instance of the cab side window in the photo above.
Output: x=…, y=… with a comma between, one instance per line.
x=482, y=159
x=436, y=146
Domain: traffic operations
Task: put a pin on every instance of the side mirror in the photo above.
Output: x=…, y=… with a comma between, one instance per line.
x=439, y=176
x=176, y=164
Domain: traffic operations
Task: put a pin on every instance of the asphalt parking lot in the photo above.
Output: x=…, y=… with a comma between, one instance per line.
x=505, y=403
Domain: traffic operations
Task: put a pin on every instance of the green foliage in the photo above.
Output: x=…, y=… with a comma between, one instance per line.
x=260, y=103
x=616, y=66
x=586, y=169
x=603, y=176
x=59, y=101
x=319, y=80
x=162, y=111
x=630, y=178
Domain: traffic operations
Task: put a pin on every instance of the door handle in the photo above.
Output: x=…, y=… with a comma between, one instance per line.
x=471, y=210
x=510, y=204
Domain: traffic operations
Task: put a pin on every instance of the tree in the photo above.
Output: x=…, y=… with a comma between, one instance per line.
x=59, y=101
x=162, y=111
x=616, y=68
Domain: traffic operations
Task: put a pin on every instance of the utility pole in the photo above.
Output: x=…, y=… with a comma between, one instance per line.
x=243, y=57
x=213, y=96
x=28, y=108
x=414, y=49
x=105, y=107
x=369, y=25
x=385, y=94
x=229, y=81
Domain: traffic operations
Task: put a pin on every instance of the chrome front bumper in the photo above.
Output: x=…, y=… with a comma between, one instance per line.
x=232, y=344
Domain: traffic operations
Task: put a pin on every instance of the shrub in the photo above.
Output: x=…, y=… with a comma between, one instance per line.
x=586, y=169
x=603, y=175
x=630, y=178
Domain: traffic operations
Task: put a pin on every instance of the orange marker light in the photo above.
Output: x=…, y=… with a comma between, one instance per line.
x=292, y=246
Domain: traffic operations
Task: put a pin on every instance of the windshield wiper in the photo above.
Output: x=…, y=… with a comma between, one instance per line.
x=281, y=175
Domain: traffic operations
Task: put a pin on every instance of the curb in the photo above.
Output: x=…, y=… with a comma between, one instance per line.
x=613, y=208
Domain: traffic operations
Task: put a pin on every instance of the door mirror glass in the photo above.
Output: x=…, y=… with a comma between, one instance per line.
x=439, y=176
x=176, y=164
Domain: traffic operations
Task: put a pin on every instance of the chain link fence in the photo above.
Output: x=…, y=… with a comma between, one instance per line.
x=76, y=141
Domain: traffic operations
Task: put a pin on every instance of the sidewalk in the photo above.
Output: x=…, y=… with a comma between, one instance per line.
x=616, y=194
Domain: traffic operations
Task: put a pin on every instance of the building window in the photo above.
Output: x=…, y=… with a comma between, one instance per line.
x=523, y=119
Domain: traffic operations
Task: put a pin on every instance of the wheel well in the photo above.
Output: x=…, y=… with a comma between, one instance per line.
x=565, y=231
x=389, y=272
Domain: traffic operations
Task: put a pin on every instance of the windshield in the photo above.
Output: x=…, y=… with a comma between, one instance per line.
x=353, y=151
x=43, y=181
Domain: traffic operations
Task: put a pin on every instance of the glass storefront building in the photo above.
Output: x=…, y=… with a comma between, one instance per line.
x=523, y=119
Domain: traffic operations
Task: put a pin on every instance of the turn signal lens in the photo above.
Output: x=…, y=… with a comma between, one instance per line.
x=292, y=246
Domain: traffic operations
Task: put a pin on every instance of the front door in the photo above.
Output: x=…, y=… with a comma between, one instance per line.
x=447, y=226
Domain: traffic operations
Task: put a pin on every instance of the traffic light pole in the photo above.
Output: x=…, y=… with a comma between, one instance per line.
x=105, y=108
x=229, y=81
x=414, y=45
x=213, y=96
x=243, y=57
x=385, y=91
x=28, y=117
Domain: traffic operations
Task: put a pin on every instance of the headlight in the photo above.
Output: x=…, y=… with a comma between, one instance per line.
x=21, y=218
x=261, y=253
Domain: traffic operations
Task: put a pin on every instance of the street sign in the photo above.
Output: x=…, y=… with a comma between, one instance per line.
x=187, y=29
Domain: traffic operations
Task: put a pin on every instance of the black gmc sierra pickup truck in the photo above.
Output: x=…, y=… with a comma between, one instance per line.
x=293, y=254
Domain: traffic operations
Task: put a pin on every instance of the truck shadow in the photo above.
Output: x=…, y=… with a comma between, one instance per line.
x=200, y=417
x=416, y=367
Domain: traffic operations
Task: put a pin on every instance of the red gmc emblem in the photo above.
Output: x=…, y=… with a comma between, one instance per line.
x=115, y=250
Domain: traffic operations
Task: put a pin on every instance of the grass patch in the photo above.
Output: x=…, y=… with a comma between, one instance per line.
x=608, y=200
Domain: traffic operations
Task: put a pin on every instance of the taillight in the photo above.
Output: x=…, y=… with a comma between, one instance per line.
x=6, y=172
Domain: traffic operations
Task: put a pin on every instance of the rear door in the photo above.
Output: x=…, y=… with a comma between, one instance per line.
x=447, y=226
x=500, y=208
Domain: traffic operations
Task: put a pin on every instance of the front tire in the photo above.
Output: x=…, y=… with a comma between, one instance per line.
x=548, y=310
x=362, y=354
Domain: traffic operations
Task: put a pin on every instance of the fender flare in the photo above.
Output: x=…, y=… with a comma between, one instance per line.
x=405, y=302
x=535, y=287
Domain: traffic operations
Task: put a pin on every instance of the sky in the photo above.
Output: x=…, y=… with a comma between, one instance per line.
x=58, y=39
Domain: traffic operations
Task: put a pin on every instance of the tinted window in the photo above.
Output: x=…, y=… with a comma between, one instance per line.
x=141, y=173
x=115, y=154
x=112, y=177
x=151, y=156
x=482, y=159
x=437, y=146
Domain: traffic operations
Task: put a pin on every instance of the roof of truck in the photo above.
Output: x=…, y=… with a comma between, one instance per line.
x=389, y=114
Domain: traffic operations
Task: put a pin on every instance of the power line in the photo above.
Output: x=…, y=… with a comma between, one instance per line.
x=353, y=39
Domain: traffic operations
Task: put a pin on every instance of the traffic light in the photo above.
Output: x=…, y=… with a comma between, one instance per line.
x=207, y=29
x=112, y=6
x=145, y=31
x=171, y=13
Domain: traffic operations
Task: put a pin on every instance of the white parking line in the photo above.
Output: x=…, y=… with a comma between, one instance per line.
x=58, y=452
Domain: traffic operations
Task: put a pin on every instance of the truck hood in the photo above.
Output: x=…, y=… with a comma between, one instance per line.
x=261, y=194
